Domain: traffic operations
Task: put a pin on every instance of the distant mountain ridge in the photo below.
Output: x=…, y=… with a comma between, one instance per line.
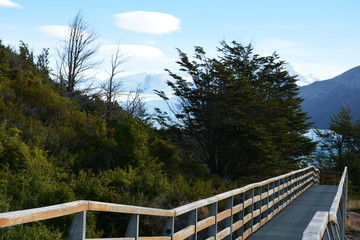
x=322, y=99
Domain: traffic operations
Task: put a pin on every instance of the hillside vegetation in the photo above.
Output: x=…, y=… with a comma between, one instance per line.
x=241, y=122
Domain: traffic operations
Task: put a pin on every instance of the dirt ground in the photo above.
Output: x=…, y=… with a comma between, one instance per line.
x=353, y=226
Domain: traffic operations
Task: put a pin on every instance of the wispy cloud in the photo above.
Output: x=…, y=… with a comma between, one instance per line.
x=141, y=51
x=9, y=4
x=148, y=22
x=58, y=32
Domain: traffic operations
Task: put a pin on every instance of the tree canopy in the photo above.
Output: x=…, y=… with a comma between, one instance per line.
x=241, y=112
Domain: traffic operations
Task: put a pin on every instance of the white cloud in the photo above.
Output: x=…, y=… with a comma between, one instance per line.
x=9, y=3
x=58, y=32
x=141, y=51
x=148, y=22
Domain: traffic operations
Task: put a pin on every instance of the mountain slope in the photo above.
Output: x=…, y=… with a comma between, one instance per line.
x=303, y=80
x=325, y=98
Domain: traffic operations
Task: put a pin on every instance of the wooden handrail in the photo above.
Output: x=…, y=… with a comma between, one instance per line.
x=256, y=204
x=325, y=220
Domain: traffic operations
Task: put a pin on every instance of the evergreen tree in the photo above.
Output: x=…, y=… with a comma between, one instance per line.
x=241, y=112
x=341, y=145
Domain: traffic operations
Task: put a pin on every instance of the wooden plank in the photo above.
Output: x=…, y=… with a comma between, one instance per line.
x=264, y=195
x=270, y=192
x=120, y=208
x=247, y=218
x=155, y=238
x=316, y=227
x=247, y=203
x=247, y=233
x=185, y=233
x=256, y=213
x=211, y=238
x=223, y=233
x=237, y=225
x=124, y=238
x=263, y=221
x=224, y=214
x=256, y=227
x=43, y=213
x=237, y=208
x=336, y=203
x=264, y=208
x=207, y=222
x=127, y=238
x=256, y=198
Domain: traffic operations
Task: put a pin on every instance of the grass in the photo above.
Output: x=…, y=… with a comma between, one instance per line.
x=353, y=220
x=354, y=205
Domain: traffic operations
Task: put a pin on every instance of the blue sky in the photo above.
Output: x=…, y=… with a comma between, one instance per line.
x=320, y=37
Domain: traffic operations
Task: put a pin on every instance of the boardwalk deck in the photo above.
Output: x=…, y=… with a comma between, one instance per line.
x=290, y=223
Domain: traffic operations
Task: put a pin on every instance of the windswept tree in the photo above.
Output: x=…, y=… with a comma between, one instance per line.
x=76, y=53
x=241, y=113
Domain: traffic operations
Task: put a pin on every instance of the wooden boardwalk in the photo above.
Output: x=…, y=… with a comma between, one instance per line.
x=288, y=207
x=291, y=222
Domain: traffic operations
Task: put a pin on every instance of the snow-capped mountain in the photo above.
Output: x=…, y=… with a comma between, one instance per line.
x=303, y=79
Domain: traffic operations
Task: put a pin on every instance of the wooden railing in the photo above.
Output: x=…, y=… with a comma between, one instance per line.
x=330, y=177
x=231, y=215
x=330, y=225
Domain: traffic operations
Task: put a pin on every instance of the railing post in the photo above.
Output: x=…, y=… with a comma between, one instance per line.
x=213, y=212
x=133, y=227
x=241, y=214
x=229, y=220
x=78, y=227
x=169, y=227
x=193, y=221
x=249, y=224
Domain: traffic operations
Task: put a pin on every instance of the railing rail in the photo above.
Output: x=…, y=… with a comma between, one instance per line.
x=231, y=215
x=330, y=225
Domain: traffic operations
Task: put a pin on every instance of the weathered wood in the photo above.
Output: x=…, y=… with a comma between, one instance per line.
x=237, y=208
x=274, y=193
x=247, y=233
x=256, y=227
x=186, y=208
x=38, y=214
x=224, y=214
x=120, y=208
x=205, y=223
x=316, y=227
x=185, y=233
x=237, y=225
x=223, y=233
x=126, y=238
x=336, y=203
